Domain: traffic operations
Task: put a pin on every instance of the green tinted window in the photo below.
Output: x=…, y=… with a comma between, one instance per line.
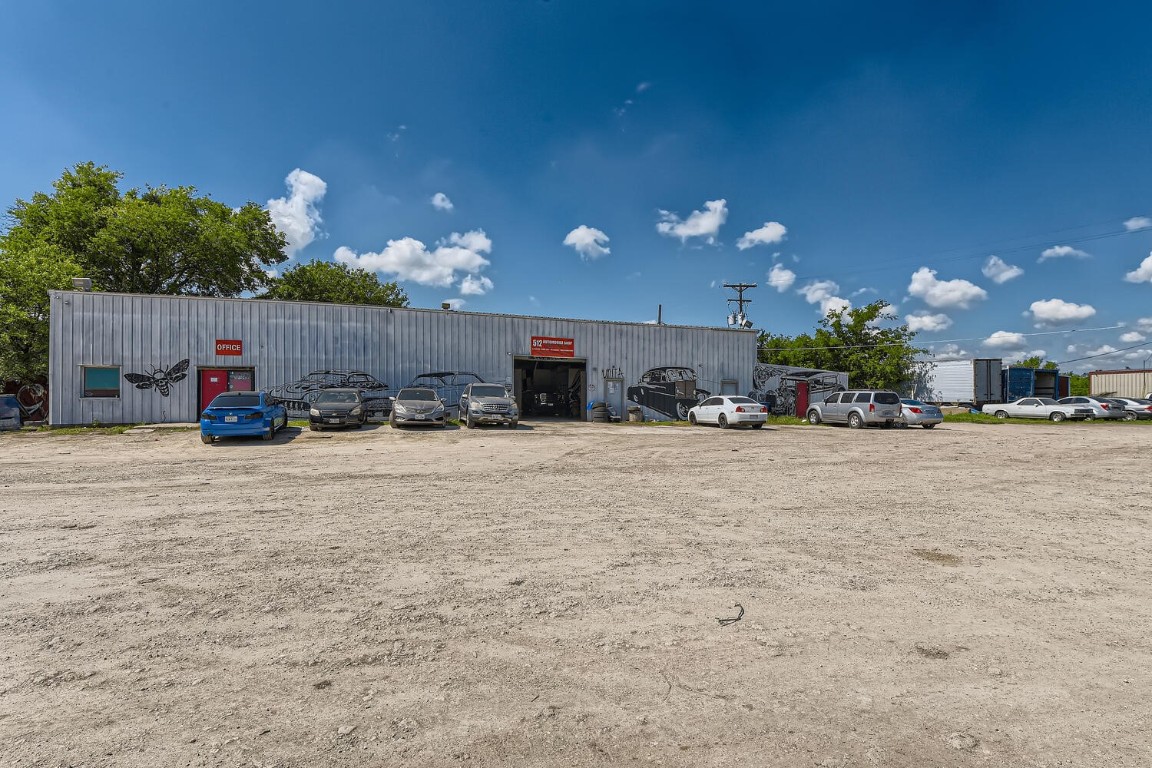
x=101, y=382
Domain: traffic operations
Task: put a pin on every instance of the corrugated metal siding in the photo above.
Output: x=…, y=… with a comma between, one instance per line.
x=1120, y=383
x=286, y=340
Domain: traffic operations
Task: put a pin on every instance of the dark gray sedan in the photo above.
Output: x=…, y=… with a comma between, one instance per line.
x=337, y=408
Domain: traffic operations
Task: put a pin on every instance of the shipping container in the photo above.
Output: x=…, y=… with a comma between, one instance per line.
x=961, y=382
x=1125, y=383
x=1030, y=382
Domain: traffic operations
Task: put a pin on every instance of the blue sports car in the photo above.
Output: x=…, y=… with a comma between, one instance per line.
x=242, y=413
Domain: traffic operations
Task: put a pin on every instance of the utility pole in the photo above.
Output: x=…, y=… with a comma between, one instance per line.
x=739, y=319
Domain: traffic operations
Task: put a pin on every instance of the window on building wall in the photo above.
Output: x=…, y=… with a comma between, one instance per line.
x=101, y=381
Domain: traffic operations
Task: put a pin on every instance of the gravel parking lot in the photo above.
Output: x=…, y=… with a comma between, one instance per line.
x=972, y=595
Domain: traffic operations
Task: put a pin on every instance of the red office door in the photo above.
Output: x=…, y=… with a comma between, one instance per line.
x=801, y=399
x=213, y=381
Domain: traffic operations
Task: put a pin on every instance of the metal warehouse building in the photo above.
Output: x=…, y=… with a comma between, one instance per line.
x=1122, y=383
x=129, y=358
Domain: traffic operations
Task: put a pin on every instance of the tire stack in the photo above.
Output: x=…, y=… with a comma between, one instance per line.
x=600, y=413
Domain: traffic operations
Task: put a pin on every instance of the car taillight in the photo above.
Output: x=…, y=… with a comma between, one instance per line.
x=206, y=415
x=871, y=407
x=254, y=416
x=1104, y=406
x=915, y=410
x=739, y=409
x=763, y=409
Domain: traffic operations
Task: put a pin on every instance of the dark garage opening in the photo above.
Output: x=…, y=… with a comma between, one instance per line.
x=550, y=388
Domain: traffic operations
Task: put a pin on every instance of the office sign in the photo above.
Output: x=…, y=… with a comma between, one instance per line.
x=229, y=347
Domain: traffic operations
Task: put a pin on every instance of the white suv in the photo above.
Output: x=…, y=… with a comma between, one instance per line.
x=858, y=408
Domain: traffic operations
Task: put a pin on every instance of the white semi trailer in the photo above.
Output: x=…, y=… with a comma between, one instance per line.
x=962, y=382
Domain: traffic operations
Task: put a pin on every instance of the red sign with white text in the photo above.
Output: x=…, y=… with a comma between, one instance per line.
x=550, y=346
x=229, y=347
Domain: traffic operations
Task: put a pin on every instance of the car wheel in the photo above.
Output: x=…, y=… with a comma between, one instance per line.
x=682, y=411
x=813, y=417
x=284, y=423
x=927, y=426
x=514, y=423
x=1001, y=414
x=206, y=439
x=270, y=433
x=468, y=421
x=855, y=421
x=722, y=420
x=692, y=418
x=1057, y=416
x=1129, y=416
x=392, y=422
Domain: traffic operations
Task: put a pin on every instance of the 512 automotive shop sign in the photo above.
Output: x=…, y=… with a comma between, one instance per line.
x=550, y=346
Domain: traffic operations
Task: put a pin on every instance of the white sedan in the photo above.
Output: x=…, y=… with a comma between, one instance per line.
x=1037, y=408
x=729, y=411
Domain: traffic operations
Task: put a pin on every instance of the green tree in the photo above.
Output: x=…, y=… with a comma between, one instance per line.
x=851, y=340
x=336, y=283
x=1036, y=362
x=156, y=240
x=1079, y=385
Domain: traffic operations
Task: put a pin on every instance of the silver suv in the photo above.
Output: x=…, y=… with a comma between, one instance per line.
x=858, y=408
x=488, y=404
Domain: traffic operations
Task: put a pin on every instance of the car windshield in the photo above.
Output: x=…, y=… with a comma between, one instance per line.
x=332, y=396
x=493, y=391
x=742, y=400
x=1046, y=401
x=1143, y=401
x=887, y=398
x=416, y=394
x=910, y=401
x=235, y=401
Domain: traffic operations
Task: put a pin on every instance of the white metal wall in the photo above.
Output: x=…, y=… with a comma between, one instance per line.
x=1120, y=383
x=285, y=340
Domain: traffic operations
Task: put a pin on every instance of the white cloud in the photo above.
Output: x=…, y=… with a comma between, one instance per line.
x=1006, y=340
x=1104, y=350
x=1144, y=324
x=454, y=303
x=704, y=224
x=944, y=293
x=999, y=272
x=1132, y=337
x=473, y=285
x=1137, y=222
x=771, y=233
x=781, y=278
x=1060, y=311
x=297, y=216
x=823, y=292
x=409, y=259
x=1062, y=252
x=1142, y=273
x=923, y=321
x=640, y=88
x=589, y=242
x=949, y=352
x=441, y=202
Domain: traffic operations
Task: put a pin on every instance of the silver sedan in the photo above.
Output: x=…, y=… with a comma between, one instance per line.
x=918, y=414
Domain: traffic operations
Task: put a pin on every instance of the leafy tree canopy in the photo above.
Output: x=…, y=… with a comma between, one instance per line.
x=851, y=340
x=1036, y=362
x=335, y=283
x=156, y=240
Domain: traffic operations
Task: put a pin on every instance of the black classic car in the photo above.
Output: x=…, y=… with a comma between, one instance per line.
x=670, y=390
x=298, y=396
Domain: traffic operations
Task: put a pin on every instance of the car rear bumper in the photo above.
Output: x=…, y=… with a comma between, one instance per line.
x=221, y=429
x=747, y=418
x=918, y=420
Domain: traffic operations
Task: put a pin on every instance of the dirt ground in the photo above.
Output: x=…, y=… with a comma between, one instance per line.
x=970, y=595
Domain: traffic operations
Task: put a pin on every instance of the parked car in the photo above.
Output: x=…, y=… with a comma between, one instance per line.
x=1037, y=408
x=918, y=414
x=670, y=390
x=9, y=412
x=299, y=395
x=337, y=408
x=488, y=404
x=1135, y=408
x=729, y=411
x=858, y=408
x=232, y=414
x=418, y=405
x=448, y=385
x=1102, y=407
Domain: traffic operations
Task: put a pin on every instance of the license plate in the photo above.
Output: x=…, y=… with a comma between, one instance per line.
x=421, y=416
x=333, y=421
x=231, y=419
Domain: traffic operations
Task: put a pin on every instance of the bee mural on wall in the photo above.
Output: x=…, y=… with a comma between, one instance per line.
x=160, y=378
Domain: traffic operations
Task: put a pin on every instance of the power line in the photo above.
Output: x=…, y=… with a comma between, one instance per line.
x=1102, y=354
x=952, y=341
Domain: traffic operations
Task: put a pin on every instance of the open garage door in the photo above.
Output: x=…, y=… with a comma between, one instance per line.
x=550, y=388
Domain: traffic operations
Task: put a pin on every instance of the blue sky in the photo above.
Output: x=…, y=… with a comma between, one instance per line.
x=982, y=166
